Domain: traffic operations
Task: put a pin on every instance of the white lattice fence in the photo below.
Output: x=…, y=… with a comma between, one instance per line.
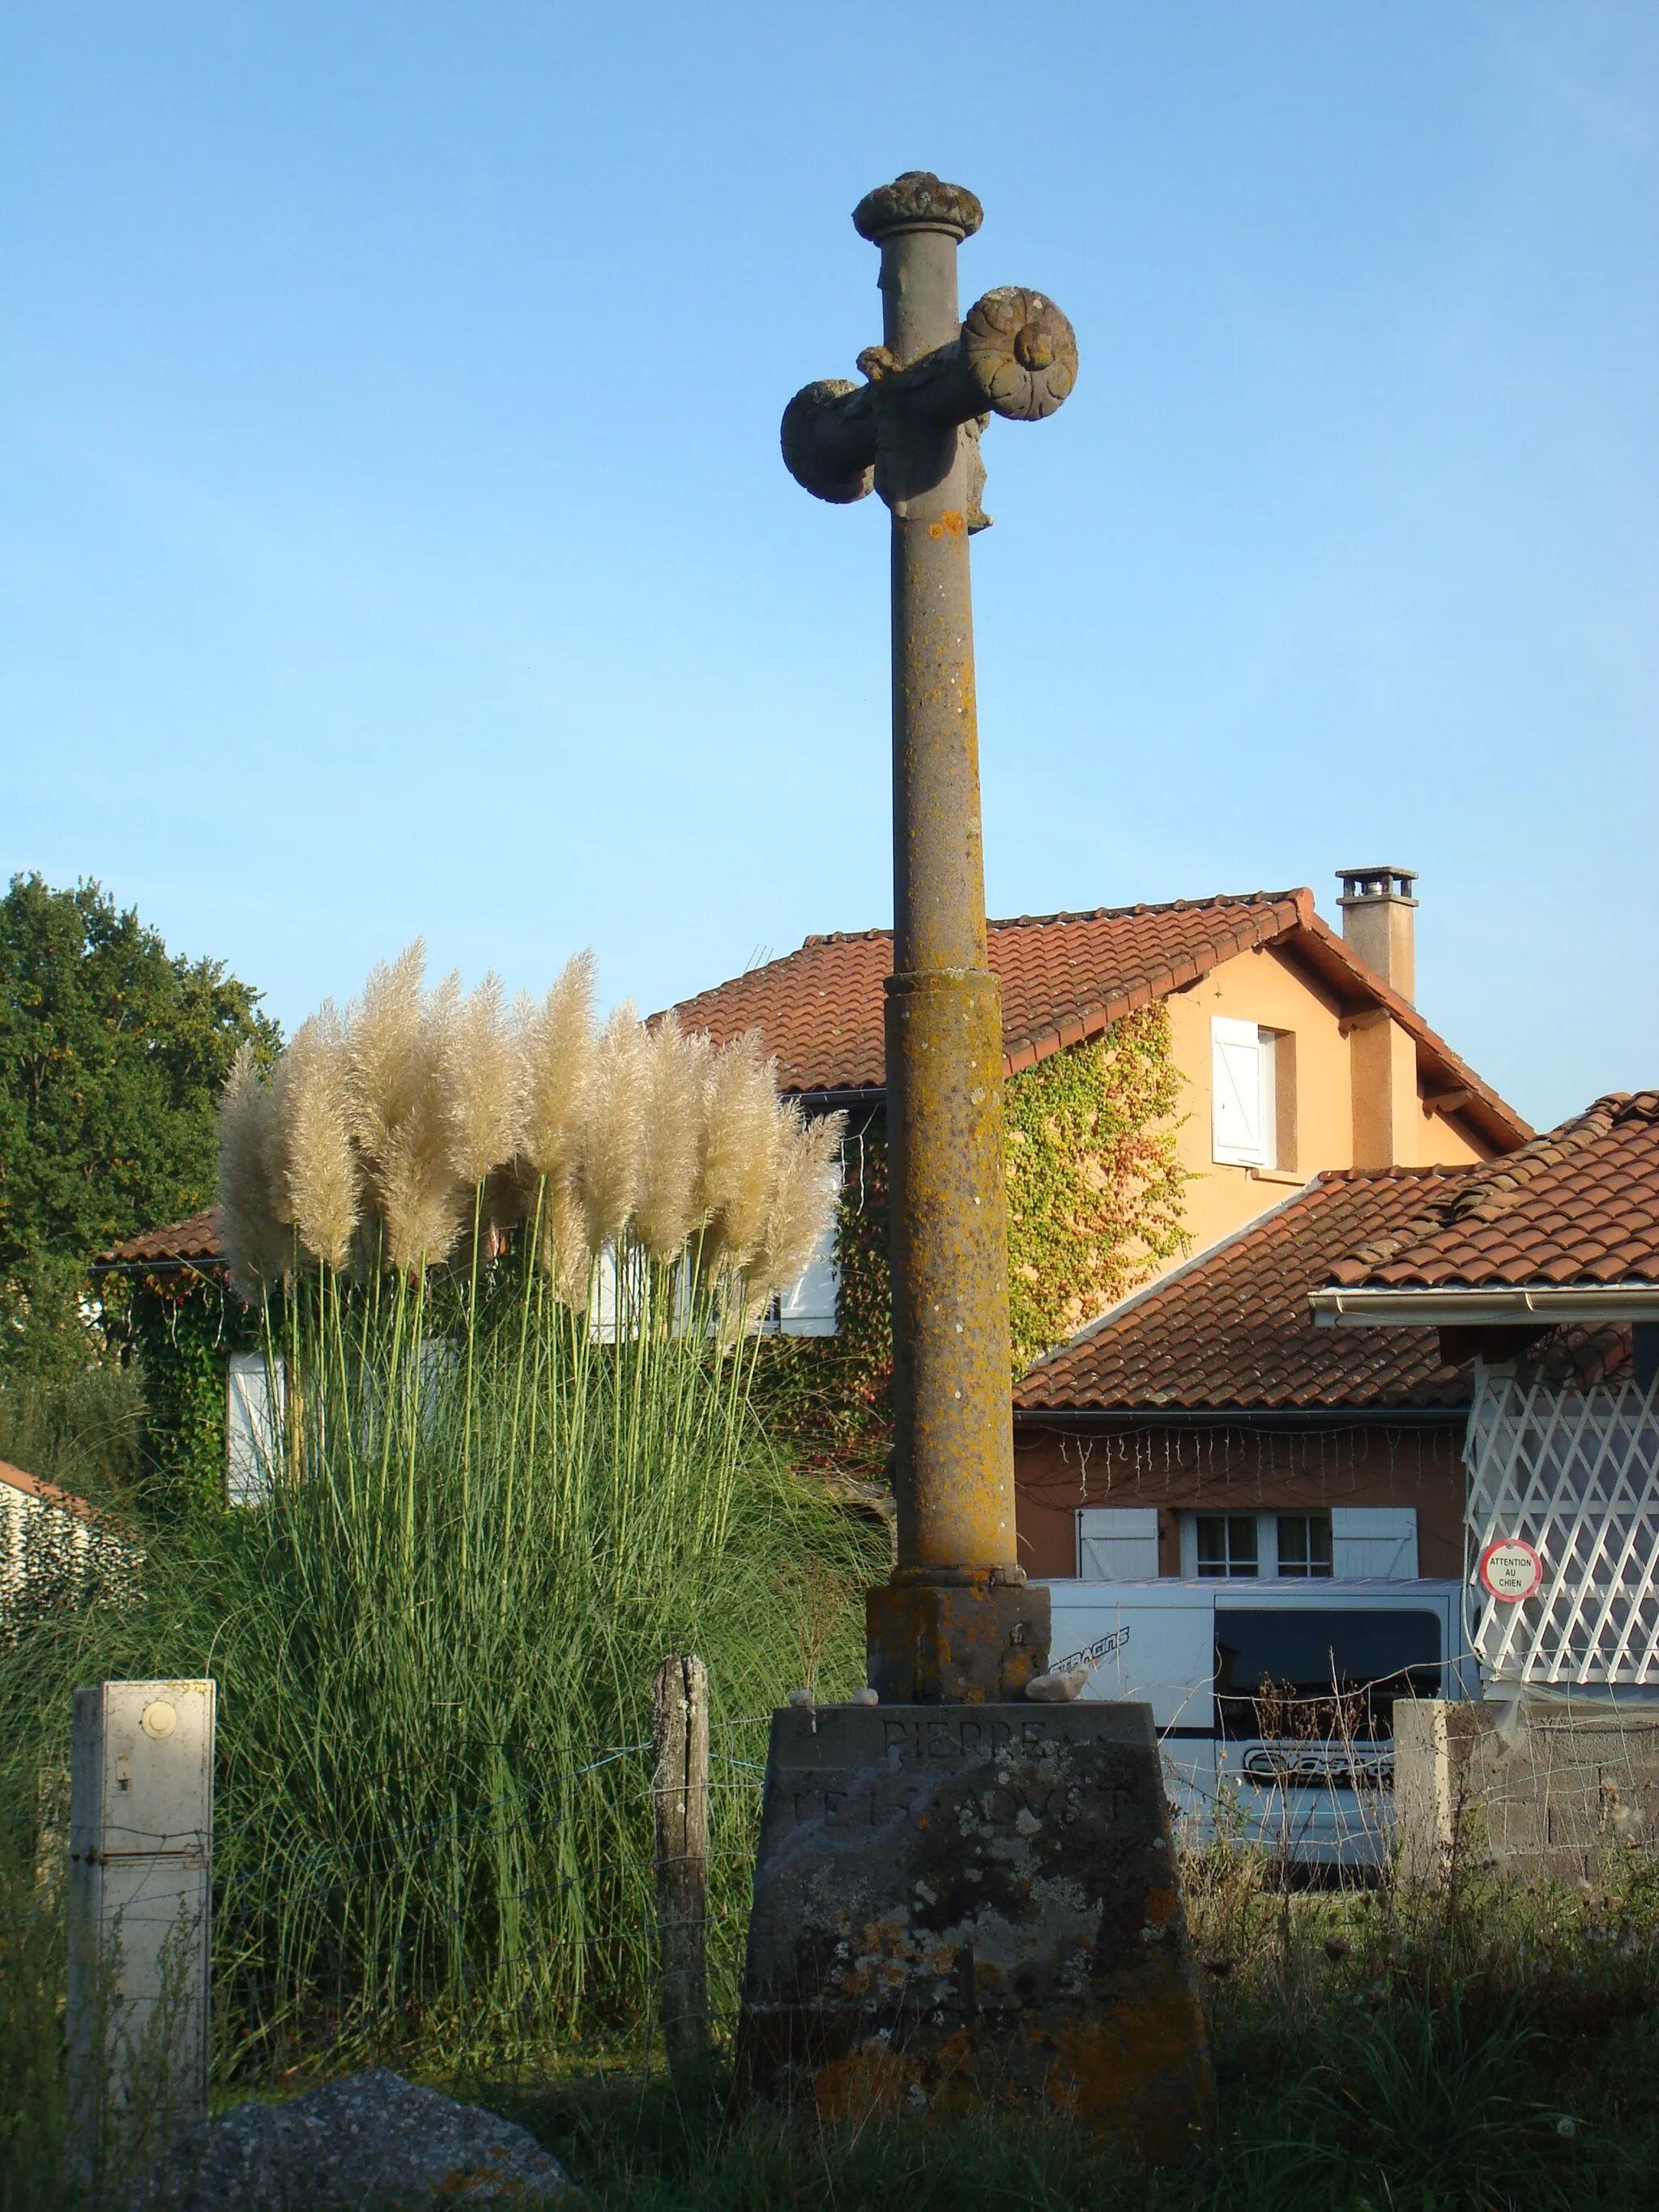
x=1575, y=1474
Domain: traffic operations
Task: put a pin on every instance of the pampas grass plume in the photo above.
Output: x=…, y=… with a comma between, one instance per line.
x=384, y=1065
x=565, y=1251
x=415, y=1100
x=249, y=1224
x=676, y=1070
x=557, y=1045
x=613, y=1125
x=315, y=1177
x=397, y=1043
x=803, y=1197
x=741, y=1134
x=481, y=1076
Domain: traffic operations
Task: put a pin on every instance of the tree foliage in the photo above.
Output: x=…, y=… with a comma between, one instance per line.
x=111, y=1053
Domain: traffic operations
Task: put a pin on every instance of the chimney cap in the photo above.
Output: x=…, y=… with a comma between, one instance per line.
x=1361, y=886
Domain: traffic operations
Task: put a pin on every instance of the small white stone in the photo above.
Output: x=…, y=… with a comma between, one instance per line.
x=1058, y=1689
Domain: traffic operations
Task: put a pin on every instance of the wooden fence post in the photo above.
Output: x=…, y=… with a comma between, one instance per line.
x=679, y=1731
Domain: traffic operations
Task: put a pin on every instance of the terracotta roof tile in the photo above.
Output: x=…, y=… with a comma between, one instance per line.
x=1064, y=977
x=1578, y=1205
x=1232, y=1328
x=31, y=1486
x=180, y=1243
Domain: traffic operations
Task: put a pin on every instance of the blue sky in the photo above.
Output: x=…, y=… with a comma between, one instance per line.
x=393, y=539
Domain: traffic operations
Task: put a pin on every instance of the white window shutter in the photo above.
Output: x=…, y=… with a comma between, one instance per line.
x=1239, y=1094
x=1374, y=1541
x=812, y=1306
x=1117, y=1544
x=253, y=1412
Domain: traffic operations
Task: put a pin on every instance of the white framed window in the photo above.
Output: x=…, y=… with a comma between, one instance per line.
x=812, y=1305
x=1348, y=1543
x=254, y=1396
x=1117, y=1544
x=1228, y=1546
x=1303, y=1544
x=1243, y=1093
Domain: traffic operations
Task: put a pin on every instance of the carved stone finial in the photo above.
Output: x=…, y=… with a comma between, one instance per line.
x=917, y=201
x=1021, y=353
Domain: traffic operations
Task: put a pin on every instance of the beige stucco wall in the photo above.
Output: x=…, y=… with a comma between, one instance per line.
x=1356, y=1094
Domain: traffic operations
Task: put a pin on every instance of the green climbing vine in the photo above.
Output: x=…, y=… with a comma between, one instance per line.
x=186, y=1327
x=1094, y=1189
x=1094, y=1201
x=827, y=1398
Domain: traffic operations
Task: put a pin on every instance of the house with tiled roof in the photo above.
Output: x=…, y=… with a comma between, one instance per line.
x=1206, y=1427
x=1565, y=1228
x=1542, y=1273
x=1299, y=1049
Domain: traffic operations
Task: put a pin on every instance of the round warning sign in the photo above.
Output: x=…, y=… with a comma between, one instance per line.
x=1511, y=1570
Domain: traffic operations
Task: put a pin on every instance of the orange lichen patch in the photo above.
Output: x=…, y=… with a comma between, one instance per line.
x=877, y=2082
x=1141, y=2071
x=950, y=524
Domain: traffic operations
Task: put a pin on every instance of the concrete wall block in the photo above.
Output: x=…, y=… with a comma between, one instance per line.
x=1542, y=1793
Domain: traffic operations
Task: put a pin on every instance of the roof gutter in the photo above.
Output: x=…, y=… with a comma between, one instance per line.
x=1445, y=1307
x=210, y=1269
x=1122, y=1420
x=826, y=1101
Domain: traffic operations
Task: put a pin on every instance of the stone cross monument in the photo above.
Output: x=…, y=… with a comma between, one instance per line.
x=961, y=1897
x=957, y=1621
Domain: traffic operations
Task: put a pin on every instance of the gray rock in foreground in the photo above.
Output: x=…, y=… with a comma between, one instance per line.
x=370, y=2141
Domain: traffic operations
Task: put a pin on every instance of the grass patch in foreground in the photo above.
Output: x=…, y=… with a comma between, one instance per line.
x=1483, y=2048
x=1409, y=2111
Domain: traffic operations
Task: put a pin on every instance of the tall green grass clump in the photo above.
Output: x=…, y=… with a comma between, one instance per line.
x=81, y=1431
x=508, y=1267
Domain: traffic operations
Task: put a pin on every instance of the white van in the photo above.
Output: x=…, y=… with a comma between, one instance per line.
x=1274, y=1700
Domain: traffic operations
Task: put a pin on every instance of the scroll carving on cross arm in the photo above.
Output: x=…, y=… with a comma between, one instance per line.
x=1021, y=352
x=828, y=440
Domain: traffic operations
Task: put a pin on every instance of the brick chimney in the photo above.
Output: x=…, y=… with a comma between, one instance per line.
x=1378, y=921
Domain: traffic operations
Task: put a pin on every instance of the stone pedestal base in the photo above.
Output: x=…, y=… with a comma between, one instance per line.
x=976, y=1639
x=971, y=1905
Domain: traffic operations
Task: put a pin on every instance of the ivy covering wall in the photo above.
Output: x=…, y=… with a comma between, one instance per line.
x=1094, y=1187
x=186, y=1328
x=1094, y=1203
x=830, y=1397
